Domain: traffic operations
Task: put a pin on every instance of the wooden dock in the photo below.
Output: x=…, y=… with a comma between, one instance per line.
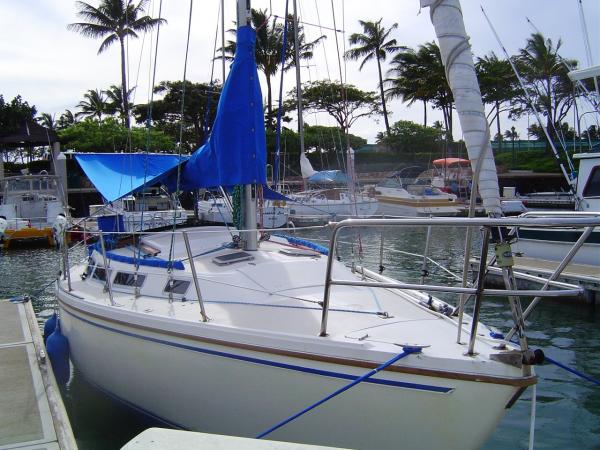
x=32, y=414
x=532, y=273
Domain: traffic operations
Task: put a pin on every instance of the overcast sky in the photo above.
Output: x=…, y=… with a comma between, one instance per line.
x=52, y=67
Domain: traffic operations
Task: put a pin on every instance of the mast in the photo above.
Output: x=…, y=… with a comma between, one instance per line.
x=223, y=41
x=298, y=86
x=249, y=235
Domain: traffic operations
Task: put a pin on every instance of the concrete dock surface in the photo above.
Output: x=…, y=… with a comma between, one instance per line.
x=32, y=414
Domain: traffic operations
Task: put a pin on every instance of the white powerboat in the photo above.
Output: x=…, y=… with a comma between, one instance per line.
x=553, y=244
x=150, y=209
x=396, y=199
x=29, y=207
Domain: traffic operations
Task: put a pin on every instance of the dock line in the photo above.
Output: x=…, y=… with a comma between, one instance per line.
x=407, y=350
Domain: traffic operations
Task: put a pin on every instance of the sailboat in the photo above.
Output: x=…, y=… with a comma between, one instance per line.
x=216, y=330
x=320, y=205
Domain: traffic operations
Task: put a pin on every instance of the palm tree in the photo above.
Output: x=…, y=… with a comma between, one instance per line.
x=269, y=46
x=115, y=103
x=420, y=75
x=66, y=119
x=47, y=120
x=373, y=43
x=94, y=104
x=115, y=20
x=497, y=83
x=408, y=80
x=545, y=74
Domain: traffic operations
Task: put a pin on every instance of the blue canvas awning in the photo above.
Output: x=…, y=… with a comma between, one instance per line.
x=118, y=174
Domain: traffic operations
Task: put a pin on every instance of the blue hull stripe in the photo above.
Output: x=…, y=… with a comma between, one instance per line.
x=327, y=373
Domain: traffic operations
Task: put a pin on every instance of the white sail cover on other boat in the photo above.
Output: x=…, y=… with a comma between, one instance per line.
x=446, y=16
x=306, y=167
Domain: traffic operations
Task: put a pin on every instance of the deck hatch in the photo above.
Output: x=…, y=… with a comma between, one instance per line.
x=129, y=279
x=177, y=286
x=232, y=258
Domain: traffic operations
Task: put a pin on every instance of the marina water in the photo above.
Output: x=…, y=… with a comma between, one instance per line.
x=568, y=408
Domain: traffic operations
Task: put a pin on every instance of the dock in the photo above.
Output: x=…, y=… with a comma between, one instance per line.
x=531, y=273
x=32, y=414
x=160, y=438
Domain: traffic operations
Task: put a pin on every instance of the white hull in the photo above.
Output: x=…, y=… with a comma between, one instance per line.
x=192, y=383
x=329, y=204
x=260, y=359
x=215, y=211
x=553, y=245
x=398, y=209
x=153, y=220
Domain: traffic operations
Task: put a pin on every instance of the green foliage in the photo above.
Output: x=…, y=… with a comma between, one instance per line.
x=269, y=49
x=537, y=160
x=407, y=137
x=345, y=103
x=110, y=136
x=166, y=113
x=545, y=74
x=13, y=114
x=419, y=75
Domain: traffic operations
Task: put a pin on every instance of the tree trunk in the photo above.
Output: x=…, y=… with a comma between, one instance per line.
x=385, y=114
x=424, y=113
x=124, y=84
x=269, y=103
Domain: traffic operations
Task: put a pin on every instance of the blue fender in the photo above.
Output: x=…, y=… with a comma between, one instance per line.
x=57, y=346
x=50, y=326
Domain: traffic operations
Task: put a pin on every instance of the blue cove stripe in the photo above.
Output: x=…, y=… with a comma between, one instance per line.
x=265, y=362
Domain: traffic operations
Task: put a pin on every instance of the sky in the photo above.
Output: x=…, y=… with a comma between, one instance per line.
x=52, y=67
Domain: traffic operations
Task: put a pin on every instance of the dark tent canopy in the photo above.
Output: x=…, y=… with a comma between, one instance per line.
x=29, y=134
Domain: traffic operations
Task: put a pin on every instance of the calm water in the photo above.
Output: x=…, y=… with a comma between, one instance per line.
x=568, y=408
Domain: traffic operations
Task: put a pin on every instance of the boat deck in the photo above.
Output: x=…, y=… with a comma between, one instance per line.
x=32, y=414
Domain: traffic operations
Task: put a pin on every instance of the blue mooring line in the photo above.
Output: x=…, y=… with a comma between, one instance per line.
x=405, y=352
x=573, y=371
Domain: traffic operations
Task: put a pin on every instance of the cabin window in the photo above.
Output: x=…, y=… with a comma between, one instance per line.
x=128, y=279
x=177, y=286
x=592, y=188
x=99, y=273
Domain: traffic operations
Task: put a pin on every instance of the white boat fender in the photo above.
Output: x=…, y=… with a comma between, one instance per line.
x=58, y=229
x=57, y=346
x=3, y=226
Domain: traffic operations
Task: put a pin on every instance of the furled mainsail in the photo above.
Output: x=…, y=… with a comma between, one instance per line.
x=447, y=19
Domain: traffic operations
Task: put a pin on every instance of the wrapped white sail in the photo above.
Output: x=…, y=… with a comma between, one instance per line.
x=306, y=167
x=446, y=16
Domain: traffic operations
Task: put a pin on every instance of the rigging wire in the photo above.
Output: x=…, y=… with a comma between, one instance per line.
x=280, y=105
x=177, y=190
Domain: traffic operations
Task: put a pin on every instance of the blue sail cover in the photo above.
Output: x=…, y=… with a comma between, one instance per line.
x=329, y=177
x=235, y=152
x=118, y=174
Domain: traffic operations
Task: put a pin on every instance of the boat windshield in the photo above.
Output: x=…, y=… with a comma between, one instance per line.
x=391, y=183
